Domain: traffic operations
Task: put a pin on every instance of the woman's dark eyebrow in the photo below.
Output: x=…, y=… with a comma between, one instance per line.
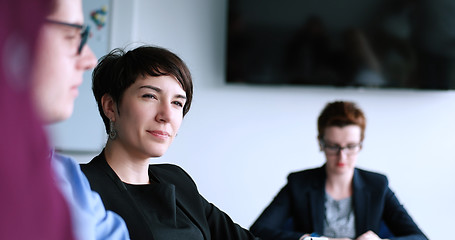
x=180, y=96
x=157, y=89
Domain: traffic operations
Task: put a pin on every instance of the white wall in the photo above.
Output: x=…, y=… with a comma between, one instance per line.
x=239, y=142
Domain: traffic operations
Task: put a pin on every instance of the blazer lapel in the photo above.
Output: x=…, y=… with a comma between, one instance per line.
x=139, y=217
x=361, y=200
x=183, y=205
x=187, y=211
x=317, y=196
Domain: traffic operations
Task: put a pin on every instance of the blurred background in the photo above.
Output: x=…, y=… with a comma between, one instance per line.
x=242, y=138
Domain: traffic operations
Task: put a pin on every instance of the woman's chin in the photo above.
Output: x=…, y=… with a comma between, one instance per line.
x=157, y=154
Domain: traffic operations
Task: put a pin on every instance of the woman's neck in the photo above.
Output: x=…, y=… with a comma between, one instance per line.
x=339, y=186
x=129, y=168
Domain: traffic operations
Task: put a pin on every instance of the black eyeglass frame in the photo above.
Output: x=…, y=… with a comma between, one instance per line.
x=85, y=31
x=335, y=149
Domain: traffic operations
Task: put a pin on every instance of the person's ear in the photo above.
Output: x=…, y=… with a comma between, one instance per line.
x=109, y=106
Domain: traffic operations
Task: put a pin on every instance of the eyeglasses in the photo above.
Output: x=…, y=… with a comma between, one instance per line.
x=335, y=149
x=85, y=32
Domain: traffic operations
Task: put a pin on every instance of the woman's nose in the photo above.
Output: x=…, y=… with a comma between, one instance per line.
x=164, y=113
x=342, y=153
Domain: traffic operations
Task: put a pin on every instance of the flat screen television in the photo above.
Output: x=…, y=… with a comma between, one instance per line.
x=358, y=43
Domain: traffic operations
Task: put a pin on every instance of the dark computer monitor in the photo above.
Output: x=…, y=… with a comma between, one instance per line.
x=349, y=43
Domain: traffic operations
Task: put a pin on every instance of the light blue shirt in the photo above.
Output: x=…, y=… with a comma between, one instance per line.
x=89, y=217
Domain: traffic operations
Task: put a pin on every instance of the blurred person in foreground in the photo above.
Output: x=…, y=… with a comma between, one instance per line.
x=337, y=200
x=31, y=205
x=59, y=60
x=142, y=96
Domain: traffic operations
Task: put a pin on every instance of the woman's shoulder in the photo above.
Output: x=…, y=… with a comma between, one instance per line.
x=308, y=173
x=370, y=174
x=308, y=178
x=371, y=178
x=92, y=167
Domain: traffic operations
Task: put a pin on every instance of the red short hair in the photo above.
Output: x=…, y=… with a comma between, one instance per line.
x=340, y=114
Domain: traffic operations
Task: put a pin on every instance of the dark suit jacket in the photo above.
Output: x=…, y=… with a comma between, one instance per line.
x=212, y=222
x=301, y=203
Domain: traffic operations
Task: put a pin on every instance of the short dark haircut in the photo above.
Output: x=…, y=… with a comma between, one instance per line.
x=119, y=69
x=341, y=114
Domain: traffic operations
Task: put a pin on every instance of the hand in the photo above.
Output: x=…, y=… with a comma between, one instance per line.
x=304, y=236
x=370, y=235
x=309, y=235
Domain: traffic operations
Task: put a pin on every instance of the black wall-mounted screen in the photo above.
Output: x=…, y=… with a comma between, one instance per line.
x=360, y=43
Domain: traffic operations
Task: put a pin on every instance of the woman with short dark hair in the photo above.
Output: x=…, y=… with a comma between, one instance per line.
x=142, y=96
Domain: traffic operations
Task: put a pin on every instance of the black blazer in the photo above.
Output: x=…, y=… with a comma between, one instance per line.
x=301, y=204
x=212, y=222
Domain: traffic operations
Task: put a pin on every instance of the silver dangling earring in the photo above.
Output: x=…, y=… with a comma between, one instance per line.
x=112, y=132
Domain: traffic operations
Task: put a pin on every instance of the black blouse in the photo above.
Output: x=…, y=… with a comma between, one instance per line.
x=163, y=215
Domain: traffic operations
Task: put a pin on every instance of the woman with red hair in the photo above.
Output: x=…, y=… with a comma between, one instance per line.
x=337, y=200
